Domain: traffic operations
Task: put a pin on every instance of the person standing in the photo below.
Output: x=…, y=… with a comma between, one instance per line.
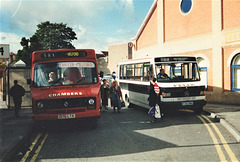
x=104, y=94
x=116, y=96
x=154, y=96
x=17, y=91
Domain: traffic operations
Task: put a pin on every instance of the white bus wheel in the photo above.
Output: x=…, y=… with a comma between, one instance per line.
x=127, y=102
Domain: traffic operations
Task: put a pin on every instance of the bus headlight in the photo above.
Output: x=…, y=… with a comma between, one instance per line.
x=40, y=105
x=91, y=101
x=166, y=94
x=202, y=92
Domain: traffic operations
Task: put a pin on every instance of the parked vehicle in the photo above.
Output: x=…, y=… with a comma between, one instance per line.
x=178, y=78
x=65, y=85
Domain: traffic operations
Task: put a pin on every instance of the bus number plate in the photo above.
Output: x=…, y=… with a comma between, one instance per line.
x=187, y=103
x=68, y=116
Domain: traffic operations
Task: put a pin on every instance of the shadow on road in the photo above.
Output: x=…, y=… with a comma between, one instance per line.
x=116, y=134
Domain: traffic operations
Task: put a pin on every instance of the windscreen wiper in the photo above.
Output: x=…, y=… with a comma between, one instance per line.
x=77, y=82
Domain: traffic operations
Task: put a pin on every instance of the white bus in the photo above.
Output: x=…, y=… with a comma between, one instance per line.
x=180, y=86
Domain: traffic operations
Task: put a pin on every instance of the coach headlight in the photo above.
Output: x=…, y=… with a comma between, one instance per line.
x=40, y=105
x=91, y=101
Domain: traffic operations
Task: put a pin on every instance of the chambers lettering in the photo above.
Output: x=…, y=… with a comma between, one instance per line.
x=65, y=94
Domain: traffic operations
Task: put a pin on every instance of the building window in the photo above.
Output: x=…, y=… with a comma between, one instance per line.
x=235, y=73
x=185, y=6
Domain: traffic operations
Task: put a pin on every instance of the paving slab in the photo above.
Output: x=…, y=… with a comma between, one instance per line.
x=229, y=116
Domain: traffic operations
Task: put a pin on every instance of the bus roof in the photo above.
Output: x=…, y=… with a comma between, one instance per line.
x=175, y=59
x=60, y=54
x=164, y=59
x=136, y=60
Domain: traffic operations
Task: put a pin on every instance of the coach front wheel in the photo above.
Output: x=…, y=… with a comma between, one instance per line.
x=127, y=102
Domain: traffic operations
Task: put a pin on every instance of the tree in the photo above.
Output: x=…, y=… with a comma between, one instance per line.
x=48, y=36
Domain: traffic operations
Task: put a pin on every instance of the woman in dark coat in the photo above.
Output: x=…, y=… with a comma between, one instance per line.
x=104, y=94
x=116, y=96
x=154, y=97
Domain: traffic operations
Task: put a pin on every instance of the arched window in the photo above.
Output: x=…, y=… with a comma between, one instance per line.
x=203, y=70
x=235, y=73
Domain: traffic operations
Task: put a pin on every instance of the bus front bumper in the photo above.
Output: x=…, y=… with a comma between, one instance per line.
x=184, y=104
x=62, y=116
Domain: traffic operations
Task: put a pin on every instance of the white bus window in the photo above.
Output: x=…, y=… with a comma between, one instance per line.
x=186, y=71
x=147, y=71
x=123, y=72
x=163, y=72
x=130, y=71
x=138, y=71
x=176, y=72
x=202, y=64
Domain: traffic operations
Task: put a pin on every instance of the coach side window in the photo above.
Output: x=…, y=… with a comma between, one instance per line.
x=123, y=72
x=130, y=71
x=147, y=71
x=138, y=72
x=235, y=73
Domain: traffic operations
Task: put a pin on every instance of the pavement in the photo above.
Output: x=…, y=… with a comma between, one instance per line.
x=229, y=116
x=13, y=130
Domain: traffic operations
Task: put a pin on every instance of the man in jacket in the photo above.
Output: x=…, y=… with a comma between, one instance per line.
x=17, y=92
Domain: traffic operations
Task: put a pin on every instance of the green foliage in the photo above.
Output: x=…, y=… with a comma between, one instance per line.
x=48, y=36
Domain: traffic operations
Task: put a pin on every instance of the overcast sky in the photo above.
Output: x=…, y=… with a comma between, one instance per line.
x=97, y=23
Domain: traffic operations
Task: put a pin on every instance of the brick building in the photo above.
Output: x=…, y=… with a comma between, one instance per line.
x=7, y=61
x=208, y=30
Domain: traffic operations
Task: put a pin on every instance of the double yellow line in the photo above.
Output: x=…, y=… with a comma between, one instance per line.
x=215, y=140
x=32, y=146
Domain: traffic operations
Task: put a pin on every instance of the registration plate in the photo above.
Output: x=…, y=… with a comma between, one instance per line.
x=187, y=103
x=68, y=116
